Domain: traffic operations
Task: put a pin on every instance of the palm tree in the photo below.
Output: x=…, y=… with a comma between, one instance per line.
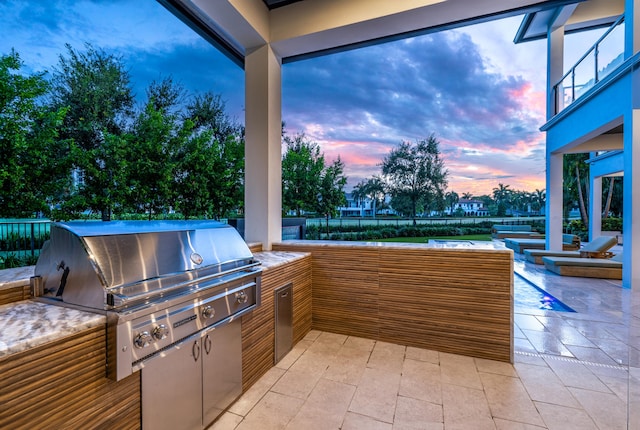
x=451, y=198
x=467, y=196
x=501, y=195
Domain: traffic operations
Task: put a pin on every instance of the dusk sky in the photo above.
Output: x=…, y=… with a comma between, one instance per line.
x=480, y=95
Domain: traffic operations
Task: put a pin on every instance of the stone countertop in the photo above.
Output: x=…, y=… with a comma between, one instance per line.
x=28, y=324
x=270, y=259
x=17, y=277
x=458, y=245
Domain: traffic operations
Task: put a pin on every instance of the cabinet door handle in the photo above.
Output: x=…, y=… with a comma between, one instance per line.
x=207, y=344
x=195, y=349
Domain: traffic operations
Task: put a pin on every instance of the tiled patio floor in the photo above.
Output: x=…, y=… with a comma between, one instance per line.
x=569, y=373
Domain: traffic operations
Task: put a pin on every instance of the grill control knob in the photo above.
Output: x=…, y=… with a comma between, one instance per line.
x=160, y=332
x=142, y=340
x=208, y=312
x=241, y=297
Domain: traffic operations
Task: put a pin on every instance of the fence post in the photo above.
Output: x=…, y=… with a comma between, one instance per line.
x=33, y=240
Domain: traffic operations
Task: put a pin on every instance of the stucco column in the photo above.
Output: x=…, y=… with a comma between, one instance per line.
x=553, y=228
x=263, y=153
x=595, y=205
x=555, y=66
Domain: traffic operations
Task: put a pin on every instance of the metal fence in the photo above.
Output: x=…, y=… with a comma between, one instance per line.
x=22, y=239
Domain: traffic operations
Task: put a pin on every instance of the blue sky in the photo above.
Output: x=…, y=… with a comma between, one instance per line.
x=478, y=93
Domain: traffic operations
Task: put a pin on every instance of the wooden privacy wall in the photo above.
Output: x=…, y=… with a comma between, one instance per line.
x=62, y=385
x=14, y=294
x=450, y=300
x=258, y=327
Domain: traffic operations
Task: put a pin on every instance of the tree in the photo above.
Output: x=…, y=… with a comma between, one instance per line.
x=467, y=196
x=155, y=139
x=94, y=87
x=452, y=198
x=502, y=196
x=330, y=194
x=576, y=183
x=415, y=176
x=302, y=167
x=210, y=168
x=539, y=198
x=34, y=166
x=373, y=189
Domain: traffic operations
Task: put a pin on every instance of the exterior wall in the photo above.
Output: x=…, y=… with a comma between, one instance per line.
x=414, y=296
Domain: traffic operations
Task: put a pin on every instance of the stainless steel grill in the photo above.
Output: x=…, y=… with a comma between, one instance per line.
x=157, y=282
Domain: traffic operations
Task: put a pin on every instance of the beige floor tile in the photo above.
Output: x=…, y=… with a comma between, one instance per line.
x=296, y=383
x=313, y=361
x=226, y=421
x=459, y=370
x=421, y=380
x=252, y=396
x=417, y=414
x=376, y=395
x=348, y=365
x=360, y=343
x=273, y=412
x=512, y=425
x=543, y=385
x=574, y=374
x=312, y=335
x=325, y=408
x=354, y=421
x=607, y=410
x=421, y=354
x=564, y=418
x=294, y=354
x=497, y=367
x=509, y=400
x=387, y=356
x=465, y=408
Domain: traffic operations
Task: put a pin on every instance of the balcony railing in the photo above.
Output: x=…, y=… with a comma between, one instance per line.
x=598, y=62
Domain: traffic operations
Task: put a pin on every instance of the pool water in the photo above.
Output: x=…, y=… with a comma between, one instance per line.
x=527, y=295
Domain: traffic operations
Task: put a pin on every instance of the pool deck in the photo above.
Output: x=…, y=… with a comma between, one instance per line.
x=569, y=373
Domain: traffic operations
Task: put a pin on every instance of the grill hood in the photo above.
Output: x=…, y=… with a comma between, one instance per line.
x=124, y=264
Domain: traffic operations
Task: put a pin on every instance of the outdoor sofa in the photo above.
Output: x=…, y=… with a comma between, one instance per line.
x=500, y=231
x=607, y=268
x=570, y=242
x=598, y=247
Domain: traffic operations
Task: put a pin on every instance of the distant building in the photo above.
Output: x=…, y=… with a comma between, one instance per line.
x=470, y=207
x=356, y=207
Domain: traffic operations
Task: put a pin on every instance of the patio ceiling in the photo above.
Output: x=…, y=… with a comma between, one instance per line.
x=299, y=29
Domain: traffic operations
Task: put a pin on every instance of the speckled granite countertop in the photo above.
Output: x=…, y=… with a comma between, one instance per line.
x=17, y=277
x=27, y=324
x=278, y=258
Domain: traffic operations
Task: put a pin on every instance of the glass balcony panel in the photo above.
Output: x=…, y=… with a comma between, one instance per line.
x=585, y=74
x=611, y=51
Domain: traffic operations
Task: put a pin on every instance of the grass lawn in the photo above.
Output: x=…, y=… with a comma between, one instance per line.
x=475, y=237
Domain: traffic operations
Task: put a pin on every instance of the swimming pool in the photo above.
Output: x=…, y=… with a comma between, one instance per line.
x=528, y=295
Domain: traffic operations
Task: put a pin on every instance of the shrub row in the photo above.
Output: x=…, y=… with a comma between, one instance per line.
x=17, y=242
x=390, y=232
x=13, y=260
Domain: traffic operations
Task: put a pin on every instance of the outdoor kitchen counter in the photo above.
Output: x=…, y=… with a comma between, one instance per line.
x=28, y=324
x=271, y=259
x=17, y=277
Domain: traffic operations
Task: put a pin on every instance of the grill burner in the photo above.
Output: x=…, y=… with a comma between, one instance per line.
x=157, y=282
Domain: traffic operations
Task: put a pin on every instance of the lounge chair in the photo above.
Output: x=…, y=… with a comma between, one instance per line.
x=607, y=268
x=500, y=231
x=570, y=242
x=598, y=247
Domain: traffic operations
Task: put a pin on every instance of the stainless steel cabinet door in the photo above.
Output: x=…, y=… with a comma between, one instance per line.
x=172, y=389
x=222, y=369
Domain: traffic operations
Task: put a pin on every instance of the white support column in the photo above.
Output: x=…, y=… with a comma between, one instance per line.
x=555, y=66
x=595, y=206
x=553, y=228
x=263, y=152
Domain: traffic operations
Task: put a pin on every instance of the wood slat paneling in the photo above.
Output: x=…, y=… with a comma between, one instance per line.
x=14, y=294
x=450, y=300
x=258, y=337
x=62, y=385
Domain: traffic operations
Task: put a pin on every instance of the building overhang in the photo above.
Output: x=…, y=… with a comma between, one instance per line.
x=300, y=29
x=577, y=16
